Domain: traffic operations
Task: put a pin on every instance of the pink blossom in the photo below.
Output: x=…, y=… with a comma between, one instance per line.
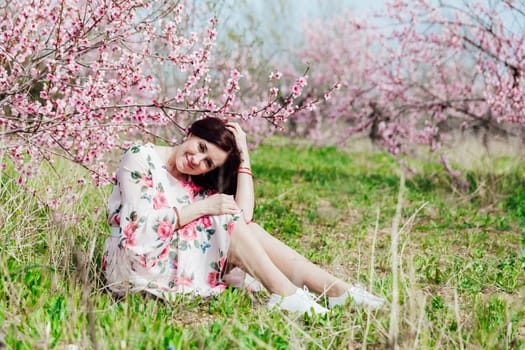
x=212, y=33
x=235, y=74
x=275, y=75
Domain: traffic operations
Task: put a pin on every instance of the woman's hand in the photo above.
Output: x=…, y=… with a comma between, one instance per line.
x=219, y=204
x=244, y=195
x=240, y=138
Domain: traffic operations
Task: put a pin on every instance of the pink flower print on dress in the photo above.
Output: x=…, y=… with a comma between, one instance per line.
x=114, y=219
x=213, y=279
x=206, y=221
x=159, y=201
x=165, y=230
x=164, y=252
x=173, y=265
x=183, y=281
x=129, y=233
x=231, y=225
x=192, y=189
x=148, y=181
x=189, y=231
x=147, y=264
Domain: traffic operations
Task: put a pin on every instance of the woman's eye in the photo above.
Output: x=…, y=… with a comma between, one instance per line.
x=202, y=148
x=209, y=163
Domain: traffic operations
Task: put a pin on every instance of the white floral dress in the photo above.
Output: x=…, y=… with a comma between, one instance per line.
x=145, y=252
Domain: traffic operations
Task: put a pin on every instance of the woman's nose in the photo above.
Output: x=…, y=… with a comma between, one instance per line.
x=198, y=158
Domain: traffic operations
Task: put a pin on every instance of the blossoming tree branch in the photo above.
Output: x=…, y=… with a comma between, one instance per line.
x=77, y=77
x=420, y=72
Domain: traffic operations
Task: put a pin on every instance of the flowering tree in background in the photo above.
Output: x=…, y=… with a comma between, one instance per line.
x=77, y=76
x=428, y=70
x=337, y=51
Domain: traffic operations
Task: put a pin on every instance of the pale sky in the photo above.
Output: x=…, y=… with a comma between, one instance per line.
x=282, y=20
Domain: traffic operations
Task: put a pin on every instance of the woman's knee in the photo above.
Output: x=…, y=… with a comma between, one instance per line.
x=241, y=235
x=240, y=252
x=263, y=236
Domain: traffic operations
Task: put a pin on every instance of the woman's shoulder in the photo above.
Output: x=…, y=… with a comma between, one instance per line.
x=137, y=148
x=142, y=151
x=139, y=153
x=149, y=153
x=163, y=152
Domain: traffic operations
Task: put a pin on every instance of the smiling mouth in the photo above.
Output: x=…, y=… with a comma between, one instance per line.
x=188, y=163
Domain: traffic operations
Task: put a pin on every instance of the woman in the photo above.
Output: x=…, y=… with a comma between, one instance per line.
x=178, y=214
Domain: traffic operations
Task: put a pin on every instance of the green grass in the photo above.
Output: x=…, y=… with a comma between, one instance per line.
x=461, y=271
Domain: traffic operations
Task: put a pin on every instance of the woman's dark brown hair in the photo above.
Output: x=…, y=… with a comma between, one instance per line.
x=224, y=178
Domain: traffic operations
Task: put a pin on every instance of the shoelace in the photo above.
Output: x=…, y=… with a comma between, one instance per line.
x=313, y=296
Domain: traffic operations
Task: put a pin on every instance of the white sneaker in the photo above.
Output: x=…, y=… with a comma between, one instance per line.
x=359, y=296
x=300, y=301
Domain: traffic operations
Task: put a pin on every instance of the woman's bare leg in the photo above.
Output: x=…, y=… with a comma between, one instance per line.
x=247, y=252
x=296, y=267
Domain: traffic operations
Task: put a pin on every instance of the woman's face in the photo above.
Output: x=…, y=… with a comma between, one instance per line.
x=196, y=156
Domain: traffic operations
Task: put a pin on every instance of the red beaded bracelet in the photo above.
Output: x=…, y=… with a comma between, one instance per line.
x=245, y=170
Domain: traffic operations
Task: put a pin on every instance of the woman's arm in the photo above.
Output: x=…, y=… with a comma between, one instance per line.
x=244, y=196
x=217, y=204
x=145, y=219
